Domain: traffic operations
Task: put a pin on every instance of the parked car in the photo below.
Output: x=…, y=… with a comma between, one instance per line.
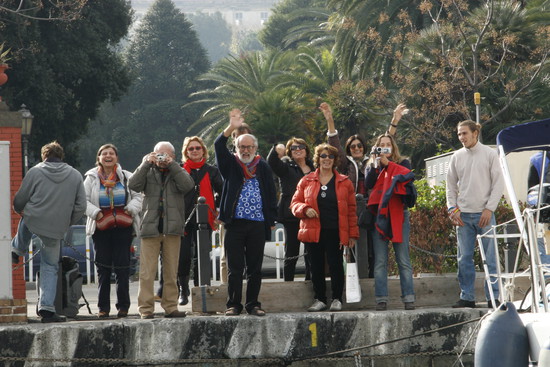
x=74, y=245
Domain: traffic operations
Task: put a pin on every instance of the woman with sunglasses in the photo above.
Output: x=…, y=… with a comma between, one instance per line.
x=325, y=204
x=390, y=178
x=353, y=163
x=290, y=169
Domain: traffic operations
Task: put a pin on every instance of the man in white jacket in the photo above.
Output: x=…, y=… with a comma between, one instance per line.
x=51, y=199
x=474, y=187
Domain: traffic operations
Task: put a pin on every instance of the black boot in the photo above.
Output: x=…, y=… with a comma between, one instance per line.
x=184, y=291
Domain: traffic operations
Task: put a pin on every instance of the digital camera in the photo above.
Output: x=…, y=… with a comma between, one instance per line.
x=161, y=157
x=380, y=150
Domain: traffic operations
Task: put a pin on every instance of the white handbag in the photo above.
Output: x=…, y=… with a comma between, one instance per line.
x=353, y=288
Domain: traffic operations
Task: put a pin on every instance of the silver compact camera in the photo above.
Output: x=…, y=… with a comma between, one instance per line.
x=379, y=150
x=161, y=157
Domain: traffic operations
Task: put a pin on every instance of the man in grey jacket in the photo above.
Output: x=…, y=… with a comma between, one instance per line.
x=51, y=198
x=164, y=184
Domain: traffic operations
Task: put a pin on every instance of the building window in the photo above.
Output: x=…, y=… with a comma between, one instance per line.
x=263, y=15
x=239, y=16
x=429, y=171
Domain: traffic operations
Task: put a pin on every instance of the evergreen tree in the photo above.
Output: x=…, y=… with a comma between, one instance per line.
x=165, y=58
x=64, y=70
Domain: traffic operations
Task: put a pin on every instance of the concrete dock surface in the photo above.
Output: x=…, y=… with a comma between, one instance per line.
x=427, y=336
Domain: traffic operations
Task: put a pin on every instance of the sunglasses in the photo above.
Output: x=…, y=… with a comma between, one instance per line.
x=358, y=146
x=298, y=147
x=194, y=148
x=330, y=156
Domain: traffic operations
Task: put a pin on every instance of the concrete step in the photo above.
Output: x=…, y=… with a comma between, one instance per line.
x=276, y=296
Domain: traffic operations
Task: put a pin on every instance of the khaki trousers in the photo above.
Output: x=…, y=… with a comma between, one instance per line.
x=151, y=248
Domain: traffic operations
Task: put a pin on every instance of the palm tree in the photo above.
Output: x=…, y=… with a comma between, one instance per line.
x=240, y=82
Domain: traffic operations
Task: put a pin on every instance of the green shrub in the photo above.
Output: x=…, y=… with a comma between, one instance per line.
x=433, y=237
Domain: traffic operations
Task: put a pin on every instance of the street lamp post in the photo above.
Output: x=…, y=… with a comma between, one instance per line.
x=26, y=126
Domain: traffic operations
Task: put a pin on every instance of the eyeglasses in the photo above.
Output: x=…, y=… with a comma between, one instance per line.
x=194, y=148
x=330, y=156
x=246, y=147
x=358, y=146
x=298, y=147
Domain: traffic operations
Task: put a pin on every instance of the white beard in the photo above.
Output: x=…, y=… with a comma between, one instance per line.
x=245, y=160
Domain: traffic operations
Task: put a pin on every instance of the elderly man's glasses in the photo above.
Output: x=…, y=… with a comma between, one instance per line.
x=329, y=156
x=298, y=147
x=194, y=148
x=246, y=147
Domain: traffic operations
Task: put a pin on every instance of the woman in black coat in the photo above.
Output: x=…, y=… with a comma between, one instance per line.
x=290, y=169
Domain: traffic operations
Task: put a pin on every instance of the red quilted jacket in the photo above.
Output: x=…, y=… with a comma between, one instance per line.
x=305, y=197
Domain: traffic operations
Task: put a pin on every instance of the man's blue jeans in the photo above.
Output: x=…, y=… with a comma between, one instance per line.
x=49, y=263
x=403, y=262
x=467, y=241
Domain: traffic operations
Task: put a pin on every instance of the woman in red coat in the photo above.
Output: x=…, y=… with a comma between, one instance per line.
x=324, y=202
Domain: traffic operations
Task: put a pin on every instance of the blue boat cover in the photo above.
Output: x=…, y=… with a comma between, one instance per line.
x=529, y=136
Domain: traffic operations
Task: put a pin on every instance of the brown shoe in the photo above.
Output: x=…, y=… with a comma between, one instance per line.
x=256, y=311
x=122, y=313
x=174, y=314
x=381, y=306
x=103, y=314
x=409, y=306
x=147, y=316
x=232, y=311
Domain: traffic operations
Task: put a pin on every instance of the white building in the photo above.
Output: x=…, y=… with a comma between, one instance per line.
x=245, y=15
x=518, y=163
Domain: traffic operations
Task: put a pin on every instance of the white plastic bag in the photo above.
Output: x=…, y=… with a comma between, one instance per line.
x=353, y=288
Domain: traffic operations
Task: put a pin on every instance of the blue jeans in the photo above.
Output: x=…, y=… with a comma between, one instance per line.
x=467, y=239
x=49, y=263
x=544, y=259
x=403, y=262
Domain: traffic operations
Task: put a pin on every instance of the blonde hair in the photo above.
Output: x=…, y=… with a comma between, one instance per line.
x=188, y=141
x=395, y=155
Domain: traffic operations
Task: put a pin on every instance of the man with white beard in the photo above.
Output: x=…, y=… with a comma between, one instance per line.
x=248, y=209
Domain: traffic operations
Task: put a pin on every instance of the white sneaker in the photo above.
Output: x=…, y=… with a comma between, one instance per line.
x=317, y=306
x=336, y=305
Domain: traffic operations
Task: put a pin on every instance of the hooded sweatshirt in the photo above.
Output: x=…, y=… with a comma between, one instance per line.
x=52, y=198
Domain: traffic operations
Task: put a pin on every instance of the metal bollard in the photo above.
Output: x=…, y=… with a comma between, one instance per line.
x=203, y=241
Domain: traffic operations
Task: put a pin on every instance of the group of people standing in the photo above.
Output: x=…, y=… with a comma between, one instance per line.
x=317, y=206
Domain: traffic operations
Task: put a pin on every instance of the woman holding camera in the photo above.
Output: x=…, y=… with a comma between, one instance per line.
x=113, y=219
x=325, y=204
x=390, y=178
x=353, y=160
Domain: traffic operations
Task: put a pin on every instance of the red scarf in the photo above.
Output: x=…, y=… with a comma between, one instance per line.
x=249, y=169
x=205, y=187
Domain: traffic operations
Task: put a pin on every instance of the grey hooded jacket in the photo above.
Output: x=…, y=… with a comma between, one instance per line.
x=51, y=198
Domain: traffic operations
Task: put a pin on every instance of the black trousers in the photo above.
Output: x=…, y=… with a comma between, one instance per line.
x=112, y=249
x=244, y=249
x=292, y=249
x=327, y=248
